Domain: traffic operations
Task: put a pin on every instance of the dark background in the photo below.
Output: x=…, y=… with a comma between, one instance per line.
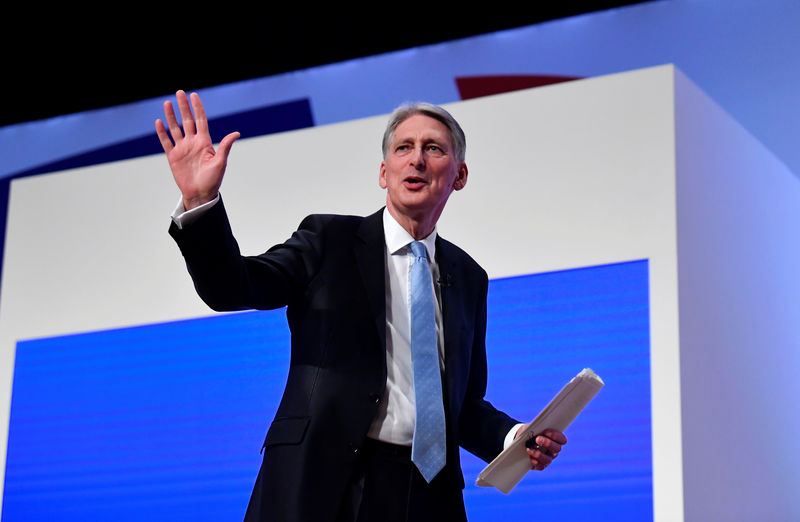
x=71, y=59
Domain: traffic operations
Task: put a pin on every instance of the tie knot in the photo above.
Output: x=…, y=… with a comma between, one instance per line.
x=419, y=250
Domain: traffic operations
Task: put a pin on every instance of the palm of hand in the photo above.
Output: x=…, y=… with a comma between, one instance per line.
x=197, y=168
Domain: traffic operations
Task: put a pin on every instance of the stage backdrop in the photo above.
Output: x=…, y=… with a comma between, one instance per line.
x=130, y=396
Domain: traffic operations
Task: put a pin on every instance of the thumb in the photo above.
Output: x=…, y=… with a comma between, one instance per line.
x=226, y=144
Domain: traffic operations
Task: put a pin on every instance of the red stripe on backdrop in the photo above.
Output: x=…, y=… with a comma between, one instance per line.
x=476, y=86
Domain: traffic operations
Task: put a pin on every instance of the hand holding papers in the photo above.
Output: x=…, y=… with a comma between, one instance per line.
x=508, y=468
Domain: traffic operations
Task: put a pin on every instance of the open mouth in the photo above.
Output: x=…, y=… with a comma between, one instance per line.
x=414, y=181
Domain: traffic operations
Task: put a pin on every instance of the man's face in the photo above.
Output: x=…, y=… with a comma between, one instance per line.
x=420, y=170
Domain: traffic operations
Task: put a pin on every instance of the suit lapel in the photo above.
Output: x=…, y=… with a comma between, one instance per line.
x=370, y=252
x=451, y=293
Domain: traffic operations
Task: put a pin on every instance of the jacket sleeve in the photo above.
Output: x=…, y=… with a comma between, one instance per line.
x=482, y=427
x=227, y=281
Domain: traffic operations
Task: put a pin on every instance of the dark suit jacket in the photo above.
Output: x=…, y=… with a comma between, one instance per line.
x=331, y=276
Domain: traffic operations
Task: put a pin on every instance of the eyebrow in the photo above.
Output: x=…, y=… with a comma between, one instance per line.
x=442, y=142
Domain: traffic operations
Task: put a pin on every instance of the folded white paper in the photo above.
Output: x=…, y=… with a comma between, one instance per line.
x=508, y=468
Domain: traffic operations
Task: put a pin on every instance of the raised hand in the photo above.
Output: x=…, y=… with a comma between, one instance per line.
x=197, y=168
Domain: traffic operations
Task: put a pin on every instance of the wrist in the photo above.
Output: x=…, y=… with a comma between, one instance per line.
x=193, y=202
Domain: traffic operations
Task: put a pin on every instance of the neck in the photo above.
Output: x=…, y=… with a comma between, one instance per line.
x=419, y=227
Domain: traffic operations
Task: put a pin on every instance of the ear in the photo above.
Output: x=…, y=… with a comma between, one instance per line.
x=382, y=175
x=461, y=177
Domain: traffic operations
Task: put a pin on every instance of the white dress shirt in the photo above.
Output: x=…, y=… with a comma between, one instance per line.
x=396, y=414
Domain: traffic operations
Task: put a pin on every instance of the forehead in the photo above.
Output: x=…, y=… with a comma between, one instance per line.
x=421, y=126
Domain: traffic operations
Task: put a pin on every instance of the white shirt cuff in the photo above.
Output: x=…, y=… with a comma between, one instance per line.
x=182, y=217
x=510, y=436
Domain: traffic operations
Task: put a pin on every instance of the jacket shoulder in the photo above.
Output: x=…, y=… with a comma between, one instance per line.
x=453, y=254
x=334, y=222
x=342, y=226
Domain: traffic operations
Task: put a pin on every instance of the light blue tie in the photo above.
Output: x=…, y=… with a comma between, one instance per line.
x=428, y=450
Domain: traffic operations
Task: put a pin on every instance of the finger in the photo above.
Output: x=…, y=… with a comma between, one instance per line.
x=534, y=460
x=163, y=137
x=555, y=435
x=199, y=114
x=174, y=128
x=536, y=464
x=548, y=445
x=539, y=459
x=226, y=144
x=186, y=113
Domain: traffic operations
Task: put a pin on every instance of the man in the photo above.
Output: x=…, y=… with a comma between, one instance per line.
x=388, y=320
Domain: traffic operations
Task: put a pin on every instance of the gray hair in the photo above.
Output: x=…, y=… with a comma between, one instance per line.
x=405, y=111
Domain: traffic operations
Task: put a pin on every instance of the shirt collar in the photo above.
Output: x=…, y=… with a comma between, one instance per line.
x=398, y=238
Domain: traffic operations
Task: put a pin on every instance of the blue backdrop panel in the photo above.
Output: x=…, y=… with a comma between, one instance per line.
x=542, y=330
x=165, y=422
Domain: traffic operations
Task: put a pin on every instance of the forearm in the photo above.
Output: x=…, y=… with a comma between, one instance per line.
x=484, y=429
x=222, y=277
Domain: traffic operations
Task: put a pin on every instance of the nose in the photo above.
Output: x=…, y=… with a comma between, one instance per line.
x=418, y=158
